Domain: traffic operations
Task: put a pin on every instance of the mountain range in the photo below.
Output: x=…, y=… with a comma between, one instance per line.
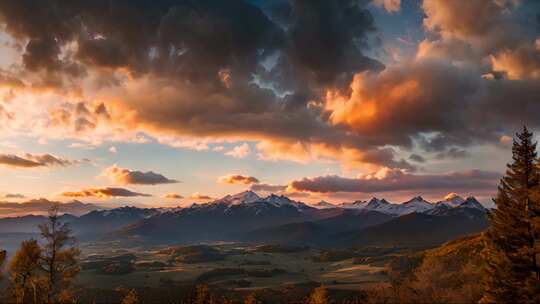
x=247, y=217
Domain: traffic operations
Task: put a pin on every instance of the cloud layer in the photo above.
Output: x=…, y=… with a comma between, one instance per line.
x=34, y=160
x=106, y=192
x=125, y=176
x=292, y=78
x=237, y=179
x=387, y=180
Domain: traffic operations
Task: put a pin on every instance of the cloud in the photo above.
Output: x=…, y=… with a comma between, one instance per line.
x=239, y=151
x=199, y=197
x=173, y=196
x=107, y=192
x=14, y=196
x=113, y=150
x=417, y=158
x=304, y=90
x=291, y=52
x=238, y=179
x=268, y=188
x=387, y=180
x=125, y=176
x=41, y=206
x=34, y=160
x=392, y=6
x=452, y=153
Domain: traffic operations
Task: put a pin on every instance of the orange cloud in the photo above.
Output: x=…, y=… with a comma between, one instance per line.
x=125, y=176
x=173, y=196
x=239, y=151
x=235, y=179
x=107, y=192
x=388, y=180
x=391, y=6
x=520, y=63
x=199, y=197
x=34, y=160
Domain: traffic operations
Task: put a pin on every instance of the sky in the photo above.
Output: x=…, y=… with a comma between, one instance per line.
x=166, y=103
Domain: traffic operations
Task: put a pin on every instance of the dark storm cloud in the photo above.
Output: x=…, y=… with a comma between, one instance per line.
x=417, y=158
x=452, y=153
x=206, y=53
x=269, y=72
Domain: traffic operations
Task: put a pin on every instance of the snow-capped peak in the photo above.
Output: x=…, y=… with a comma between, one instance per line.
x=451, y=200
x=471, y=202
x=416, y=204
x=245, y=197
x=323, y=205
x=376, y=203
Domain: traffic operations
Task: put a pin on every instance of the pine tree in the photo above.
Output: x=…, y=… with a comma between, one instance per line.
x=2, y=260
x=25, y=278
x=59, y=257
x=511, y=267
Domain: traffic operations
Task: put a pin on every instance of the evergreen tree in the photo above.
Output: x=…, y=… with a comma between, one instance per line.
x=59, y=257
x=511, y=267
x=2, y=260
x=25, y=277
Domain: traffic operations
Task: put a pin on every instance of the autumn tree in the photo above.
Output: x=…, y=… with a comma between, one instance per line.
x=512, y=271
x=202, y=295
x=252, y=299
x=318, y=296
x=130, y=296
x=59, y=257
x=25, y=278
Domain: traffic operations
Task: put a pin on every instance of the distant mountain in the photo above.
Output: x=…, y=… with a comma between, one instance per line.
x=318, y=232
x=451, y=200
x=248, y=217
x=416, y=204
x=27, y=223
x=442, y=208
x=224, y=218
x=93, y=223
x=22, y=224
x=323, y=205
x=42, y=205
x=99, y=222
x=420, y=229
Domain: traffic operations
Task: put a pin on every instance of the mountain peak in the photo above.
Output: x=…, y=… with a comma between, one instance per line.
x=417, y=200
x=244, y=197
x=324, y=204
x=452, y=196
x=471, y=202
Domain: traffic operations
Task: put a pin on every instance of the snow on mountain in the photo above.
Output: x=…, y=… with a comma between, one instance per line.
x=250, y=199
x=281, y=200
x=451, y=200
x=472, y=203
x=324, y=205
x=245, y=197
x=417, y=204
x=354, y=205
